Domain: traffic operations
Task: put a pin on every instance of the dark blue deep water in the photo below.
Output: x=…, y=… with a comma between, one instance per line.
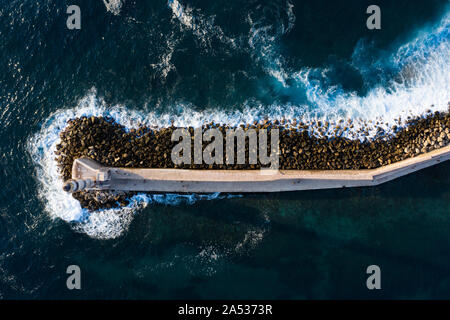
x=189, y=61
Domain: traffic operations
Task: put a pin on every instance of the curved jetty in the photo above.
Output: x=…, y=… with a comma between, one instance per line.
x=89, y=175
x=106, y=162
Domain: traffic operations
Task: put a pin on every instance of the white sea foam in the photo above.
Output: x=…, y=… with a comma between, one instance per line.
x=113, y=6
x=208, y=258
x=165, y=65
x=426, y=85
x=203, y=27
x=262, y=42
x=422, y=82
x=291, y=16
x=101, y=224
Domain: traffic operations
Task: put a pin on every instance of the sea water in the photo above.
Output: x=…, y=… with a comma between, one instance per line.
x=185, y=63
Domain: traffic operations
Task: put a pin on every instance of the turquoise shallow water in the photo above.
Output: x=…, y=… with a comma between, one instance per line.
x=187, y=61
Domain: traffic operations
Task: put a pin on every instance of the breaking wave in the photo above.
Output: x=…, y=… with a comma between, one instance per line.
x=113, y=6
x=102, y=224
x=416, y=79
x=201, y=26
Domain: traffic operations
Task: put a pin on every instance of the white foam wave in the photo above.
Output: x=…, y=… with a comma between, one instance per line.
x=209, y=258
x=291, y=16
x=165, y=65
x=113, y=6
x=262, y=41
x=426, y=85
x=102, y=224
x=264, y=36
x=203, y=27
x=422, y=82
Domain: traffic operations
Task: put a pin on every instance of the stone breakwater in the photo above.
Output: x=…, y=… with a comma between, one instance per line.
x=109, y=143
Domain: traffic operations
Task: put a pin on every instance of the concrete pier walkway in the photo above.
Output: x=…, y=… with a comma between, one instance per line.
x=89, y=175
